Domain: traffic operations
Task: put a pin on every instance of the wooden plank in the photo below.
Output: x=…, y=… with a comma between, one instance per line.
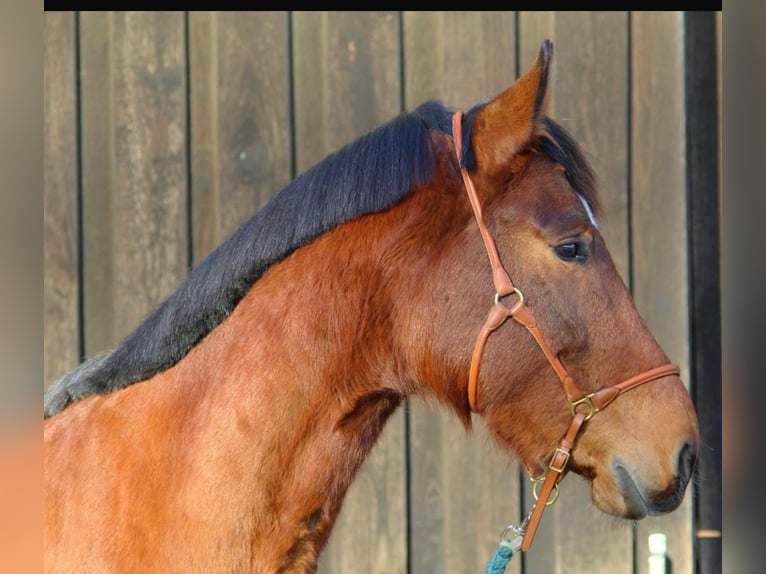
x=463, y=490
x=459, y=58
x=133, y=168
x=590, y=98
x=240, y=119
x=346, y=82
x=60, y=195
x=659, y=223
x=354, y=56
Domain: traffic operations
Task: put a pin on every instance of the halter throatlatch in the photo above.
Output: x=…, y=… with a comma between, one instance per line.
x=583, y=405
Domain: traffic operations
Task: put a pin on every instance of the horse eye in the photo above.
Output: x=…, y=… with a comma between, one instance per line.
x=572, y=251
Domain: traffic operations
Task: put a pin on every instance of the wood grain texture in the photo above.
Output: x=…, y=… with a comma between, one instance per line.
x=659, y=225
x=347, y=82
x=589, y=97
x=61, y=226
x=463, y=489
x=459, y=58
x=134, y=168
x=240, y=119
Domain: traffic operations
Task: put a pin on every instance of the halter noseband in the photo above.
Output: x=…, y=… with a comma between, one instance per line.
x=583, y=405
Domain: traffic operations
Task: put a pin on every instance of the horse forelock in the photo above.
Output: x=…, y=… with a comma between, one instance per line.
x=559, y=145
x=365, y=176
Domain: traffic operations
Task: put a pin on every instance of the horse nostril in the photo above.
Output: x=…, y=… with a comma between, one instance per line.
x=687, y=457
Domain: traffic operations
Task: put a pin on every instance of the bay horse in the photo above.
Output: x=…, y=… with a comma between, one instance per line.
x=223, y=433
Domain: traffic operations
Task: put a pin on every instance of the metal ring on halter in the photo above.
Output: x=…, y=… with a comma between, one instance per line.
x=515, y=290
x=587, y=400
x=536, y=482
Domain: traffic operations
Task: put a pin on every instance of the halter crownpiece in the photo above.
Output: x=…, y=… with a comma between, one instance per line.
x=583, y=405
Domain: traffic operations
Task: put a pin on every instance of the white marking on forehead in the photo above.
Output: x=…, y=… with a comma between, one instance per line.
x=588, y=210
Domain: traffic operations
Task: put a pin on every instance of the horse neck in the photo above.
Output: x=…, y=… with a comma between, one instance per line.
x=302, y=376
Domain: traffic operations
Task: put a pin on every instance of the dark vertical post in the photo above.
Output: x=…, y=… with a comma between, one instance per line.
x=705, y=321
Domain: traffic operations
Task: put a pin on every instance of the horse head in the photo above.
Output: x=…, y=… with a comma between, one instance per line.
x=577, y=341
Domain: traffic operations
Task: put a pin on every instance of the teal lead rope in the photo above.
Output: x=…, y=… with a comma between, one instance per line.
x=510, y=543
x=500, y=559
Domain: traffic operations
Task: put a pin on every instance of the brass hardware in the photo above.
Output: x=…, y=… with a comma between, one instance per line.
x=588, y=401
x=559, y=469
x=536, y=482
x=515, y=290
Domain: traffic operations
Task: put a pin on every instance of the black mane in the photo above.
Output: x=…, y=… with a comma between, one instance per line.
x=367, y=175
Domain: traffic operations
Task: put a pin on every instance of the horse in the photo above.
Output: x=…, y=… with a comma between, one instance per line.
x=444, y=256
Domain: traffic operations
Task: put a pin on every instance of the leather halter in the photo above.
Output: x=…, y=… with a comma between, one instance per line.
x=583, y=405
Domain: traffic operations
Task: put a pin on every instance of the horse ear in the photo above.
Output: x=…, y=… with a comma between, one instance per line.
x=507, y=123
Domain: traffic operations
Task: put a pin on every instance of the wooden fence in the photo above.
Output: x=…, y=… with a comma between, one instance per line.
x=165, y=130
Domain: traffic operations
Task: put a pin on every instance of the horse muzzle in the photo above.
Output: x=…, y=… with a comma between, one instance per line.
x=646, y=497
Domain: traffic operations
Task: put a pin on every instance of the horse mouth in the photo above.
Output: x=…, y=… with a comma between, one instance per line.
x=618, y=495
x=635, y=505
x=638, y=501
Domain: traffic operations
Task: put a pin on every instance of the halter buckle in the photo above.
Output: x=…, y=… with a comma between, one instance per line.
x=560, y=468
x=588, y=401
